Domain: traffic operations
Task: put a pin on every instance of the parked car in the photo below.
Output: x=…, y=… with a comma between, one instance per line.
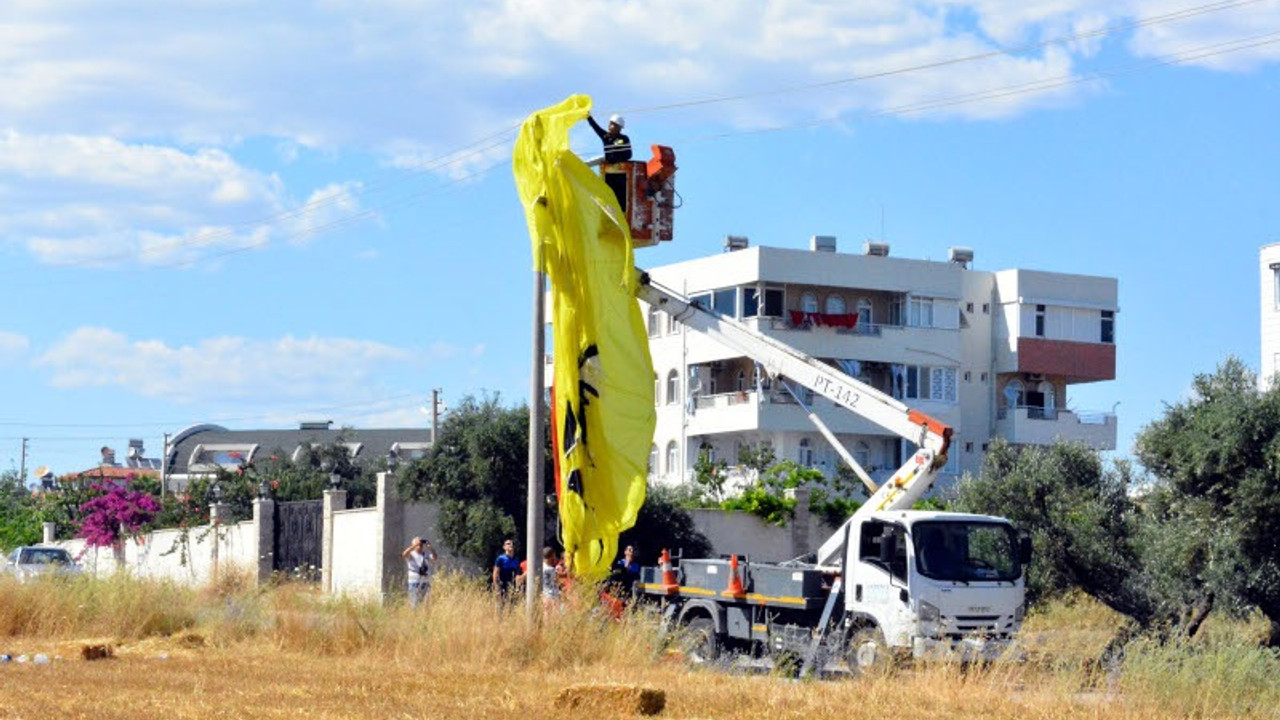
x=32, y=560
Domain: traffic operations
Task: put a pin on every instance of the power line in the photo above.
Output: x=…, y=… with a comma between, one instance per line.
x=1060, y=40
x=500, y=139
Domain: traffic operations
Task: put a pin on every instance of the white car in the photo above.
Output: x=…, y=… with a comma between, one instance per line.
x=32, y=560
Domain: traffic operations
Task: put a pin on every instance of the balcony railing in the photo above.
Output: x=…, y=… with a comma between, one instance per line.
x=1034, y=412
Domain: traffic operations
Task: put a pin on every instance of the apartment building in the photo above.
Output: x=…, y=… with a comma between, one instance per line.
x=993, y=354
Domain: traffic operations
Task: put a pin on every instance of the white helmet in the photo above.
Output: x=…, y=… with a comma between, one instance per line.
x=618, y=120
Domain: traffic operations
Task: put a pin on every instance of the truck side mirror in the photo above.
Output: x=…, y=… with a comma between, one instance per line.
x=1024, y=549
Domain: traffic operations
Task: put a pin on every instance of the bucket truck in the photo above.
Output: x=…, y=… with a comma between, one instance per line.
x=891, y=582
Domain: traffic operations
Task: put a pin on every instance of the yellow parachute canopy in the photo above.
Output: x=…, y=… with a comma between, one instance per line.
x=603, y=413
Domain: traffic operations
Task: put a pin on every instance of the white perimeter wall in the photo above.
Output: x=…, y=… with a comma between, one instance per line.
x=356, y=549
x=161, y=555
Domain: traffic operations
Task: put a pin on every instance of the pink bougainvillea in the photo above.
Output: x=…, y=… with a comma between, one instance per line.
x=116, y=511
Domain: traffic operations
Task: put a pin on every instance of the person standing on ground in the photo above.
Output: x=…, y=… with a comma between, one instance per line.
x=626, y=570
x=552, y=571
x=506, y=570
x=418, y=558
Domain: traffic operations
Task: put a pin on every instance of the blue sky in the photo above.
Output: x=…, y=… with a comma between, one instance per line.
x=256, y=213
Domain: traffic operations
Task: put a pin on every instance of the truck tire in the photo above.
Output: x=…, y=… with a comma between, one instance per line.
x=868, y=654
x=701, y=644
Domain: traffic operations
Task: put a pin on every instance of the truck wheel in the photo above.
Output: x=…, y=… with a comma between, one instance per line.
x=868, y=653
x=701, y=645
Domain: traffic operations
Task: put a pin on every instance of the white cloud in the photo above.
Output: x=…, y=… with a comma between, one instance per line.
x=122, y=117
x=13, y=347
x=222, y=368
x=99, y=201
x=392, y=73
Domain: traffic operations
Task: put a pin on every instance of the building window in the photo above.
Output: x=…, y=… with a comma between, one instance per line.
x=982, y=378
x=864, y=312
x=773, y=302
x=968, y=447
x=809, y=303
x=862, y=454
x=653, y=460
x=930, y=383
x=702, y=300
x=708, y=450
x=673, y=458
x=657, y=391
x=986, y=308
x=835, y=305
x=725, y=302
x=654, y=322
x=750, y=302
x=1108, y=326
x=968, y=307
x=920, y=312
x=741, y=383
x=806, y=453
x=968, y=376
x=1039, y=321
x=1015, y=394
x=1275, y=282
x=673, y=387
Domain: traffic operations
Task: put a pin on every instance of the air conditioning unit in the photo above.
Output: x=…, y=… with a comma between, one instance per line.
x=736, y=242
x=878, y=249
x=822, y=243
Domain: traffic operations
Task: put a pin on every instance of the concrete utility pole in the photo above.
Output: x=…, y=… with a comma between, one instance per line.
x=23, y=471
x=435, y=414
x=534, y=515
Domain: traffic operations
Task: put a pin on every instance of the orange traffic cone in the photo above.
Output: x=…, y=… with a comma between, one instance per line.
x=670, y=584
x=735, y=588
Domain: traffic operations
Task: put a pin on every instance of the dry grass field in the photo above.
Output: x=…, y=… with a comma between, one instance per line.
x=239, y=652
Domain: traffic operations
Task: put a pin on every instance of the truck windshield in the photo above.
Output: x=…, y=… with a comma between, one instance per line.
x=966, y=550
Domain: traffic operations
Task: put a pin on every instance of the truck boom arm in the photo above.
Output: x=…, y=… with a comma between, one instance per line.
x=932, y=437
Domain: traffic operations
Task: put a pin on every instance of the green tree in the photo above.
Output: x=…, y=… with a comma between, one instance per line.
x=478, y=473
x=663, y=523
x=19, y=513
x=1082, y=522
x=1218, y=454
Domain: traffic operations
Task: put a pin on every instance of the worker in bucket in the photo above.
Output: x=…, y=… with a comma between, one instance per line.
x=617, y=148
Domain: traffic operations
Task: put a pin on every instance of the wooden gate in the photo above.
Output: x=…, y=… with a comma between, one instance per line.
x=299, y=533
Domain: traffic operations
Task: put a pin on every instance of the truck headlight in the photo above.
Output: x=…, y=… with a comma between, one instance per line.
x=929, y=613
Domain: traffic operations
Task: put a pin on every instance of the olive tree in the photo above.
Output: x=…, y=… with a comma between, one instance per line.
x=1217, y=453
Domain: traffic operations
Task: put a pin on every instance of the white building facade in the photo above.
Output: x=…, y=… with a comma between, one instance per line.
x=993, y=354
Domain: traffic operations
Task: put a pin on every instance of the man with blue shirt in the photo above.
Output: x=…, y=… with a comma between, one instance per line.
x=506, y=570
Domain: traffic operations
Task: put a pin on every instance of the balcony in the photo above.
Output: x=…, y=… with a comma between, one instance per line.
x=744, y=411
x=1029, y=425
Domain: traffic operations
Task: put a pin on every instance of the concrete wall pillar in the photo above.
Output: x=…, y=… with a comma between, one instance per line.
x=334, y=500
x=388, y=566
x=264, y=523
x=49, y=533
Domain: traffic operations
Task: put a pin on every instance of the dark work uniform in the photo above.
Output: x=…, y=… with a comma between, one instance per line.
x=616, y=149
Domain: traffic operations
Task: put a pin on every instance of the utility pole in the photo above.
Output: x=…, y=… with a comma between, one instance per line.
x=537, y=481
x=164, y=466
x=435, y=414
x=23, y=471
